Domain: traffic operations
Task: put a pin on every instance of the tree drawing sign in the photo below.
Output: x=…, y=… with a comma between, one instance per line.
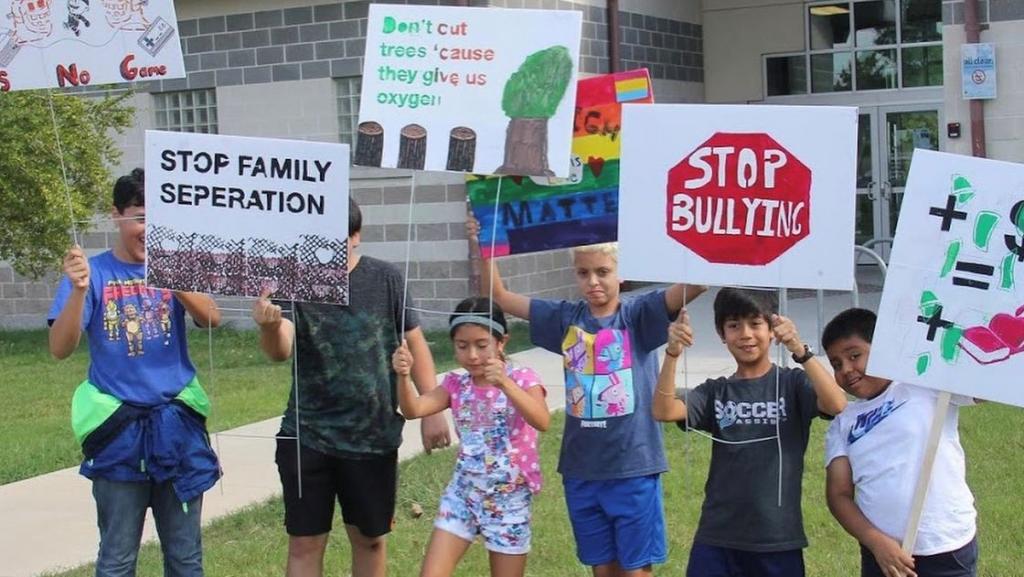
x=738, y=195
x=237, y=216
x=70, y=43
x=545, y=213
x=952, y=310
x=482, y=90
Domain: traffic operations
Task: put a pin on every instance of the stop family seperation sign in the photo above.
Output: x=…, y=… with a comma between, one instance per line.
x=739, y=198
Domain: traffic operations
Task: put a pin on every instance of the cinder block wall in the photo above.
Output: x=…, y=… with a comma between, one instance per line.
x=274, y=66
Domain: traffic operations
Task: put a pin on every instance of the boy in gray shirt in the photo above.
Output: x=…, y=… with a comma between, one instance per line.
x=743, y=530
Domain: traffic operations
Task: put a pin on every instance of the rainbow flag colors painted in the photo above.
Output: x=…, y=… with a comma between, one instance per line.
x=633, y=86
x=539, y=213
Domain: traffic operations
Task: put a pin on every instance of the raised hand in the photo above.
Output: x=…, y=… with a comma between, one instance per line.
x=680, y=334
x=494, y=372
x=785, y=333
x=264, y=312
x=401, y=360
x=76, y=266
x=472, y=226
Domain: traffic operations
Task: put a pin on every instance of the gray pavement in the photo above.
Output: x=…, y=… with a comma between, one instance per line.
x=49, y=522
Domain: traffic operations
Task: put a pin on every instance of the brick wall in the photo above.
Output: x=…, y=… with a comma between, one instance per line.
x=258, y=59
x=328, y=41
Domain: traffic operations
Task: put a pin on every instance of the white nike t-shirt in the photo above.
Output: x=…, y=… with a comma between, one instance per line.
x=884, y=438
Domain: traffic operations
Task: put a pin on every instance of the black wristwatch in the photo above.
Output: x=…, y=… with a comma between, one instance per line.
x=808, y=355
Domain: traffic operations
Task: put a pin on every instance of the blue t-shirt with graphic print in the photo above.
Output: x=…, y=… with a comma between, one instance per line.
x=611, y=369
x=137, y=347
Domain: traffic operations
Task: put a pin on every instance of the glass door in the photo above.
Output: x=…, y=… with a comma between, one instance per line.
x=886, y=139
x=868, y=222
x=904, y=128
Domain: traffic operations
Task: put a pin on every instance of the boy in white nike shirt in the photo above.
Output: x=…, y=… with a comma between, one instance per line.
x=873, y=454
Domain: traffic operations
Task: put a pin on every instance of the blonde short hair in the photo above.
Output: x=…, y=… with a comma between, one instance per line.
x=606, y=248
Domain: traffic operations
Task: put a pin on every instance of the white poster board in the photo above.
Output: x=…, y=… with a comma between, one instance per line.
x=70, y=43
x=951, y=316
x=232, y=215
x=738, y=195
x=482, y=90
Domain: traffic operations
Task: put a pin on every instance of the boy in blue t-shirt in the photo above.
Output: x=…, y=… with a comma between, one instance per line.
x=141, y=414
x=612, y=453
x=744, y=529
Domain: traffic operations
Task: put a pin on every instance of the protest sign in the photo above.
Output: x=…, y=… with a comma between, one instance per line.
x=738, y=195
x=483, y=90
x=545, y=213
x=952, y=311
x=234, y=216
x=71, y=43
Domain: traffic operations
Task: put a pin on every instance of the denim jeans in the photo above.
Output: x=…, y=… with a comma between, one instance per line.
x=121, y=511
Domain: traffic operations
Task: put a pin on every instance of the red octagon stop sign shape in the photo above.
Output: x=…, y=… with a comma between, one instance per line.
x=739, y=198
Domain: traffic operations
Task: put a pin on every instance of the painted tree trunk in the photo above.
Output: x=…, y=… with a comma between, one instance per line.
x=412, y=147
x=461, y=149
x=526, y=148
x=369, y=144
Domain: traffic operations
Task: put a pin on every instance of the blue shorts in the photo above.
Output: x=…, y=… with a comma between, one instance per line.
x=619, y=520
x=712, y=561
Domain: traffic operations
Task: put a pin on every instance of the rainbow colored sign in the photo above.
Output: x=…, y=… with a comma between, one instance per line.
x=532, y=214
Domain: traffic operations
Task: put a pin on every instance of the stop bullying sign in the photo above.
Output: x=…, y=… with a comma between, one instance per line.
x=738, y=195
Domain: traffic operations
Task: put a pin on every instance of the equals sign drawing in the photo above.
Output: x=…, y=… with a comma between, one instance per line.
x=973, y=268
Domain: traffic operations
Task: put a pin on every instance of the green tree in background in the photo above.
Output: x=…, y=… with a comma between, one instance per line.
x=34, y=207
x=531, y=97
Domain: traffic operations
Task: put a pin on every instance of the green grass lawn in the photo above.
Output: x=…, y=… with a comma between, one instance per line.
x=243, y=386
x=253, y=543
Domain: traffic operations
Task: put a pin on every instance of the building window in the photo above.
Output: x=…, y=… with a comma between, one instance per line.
x=187, y=111
x=347, y=90
x=860, y=45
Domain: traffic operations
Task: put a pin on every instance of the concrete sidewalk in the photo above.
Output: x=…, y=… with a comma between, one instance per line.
x=49, y=522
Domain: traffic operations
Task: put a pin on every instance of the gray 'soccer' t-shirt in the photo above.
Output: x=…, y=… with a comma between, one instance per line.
x=741, y=497
x=611, y=368
x=347, y=396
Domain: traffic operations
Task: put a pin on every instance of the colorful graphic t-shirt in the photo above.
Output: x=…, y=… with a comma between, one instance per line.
x=741, y=496
x=137, y=346
x=494, y=439
x=346, y=389
x=611, y=369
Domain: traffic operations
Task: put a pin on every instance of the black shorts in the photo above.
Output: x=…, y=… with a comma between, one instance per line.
x=365, y=489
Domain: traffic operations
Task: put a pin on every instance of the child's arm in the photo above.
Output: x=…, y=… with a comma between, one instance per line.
x=413, y=405
x=674, y=296
x=434, y=431
x=201, y=307
x=831, y=398
x=277, y=334
x=66, y=330
x=530, y=403
x=666, y=407
x=839, y=490
x=512, y=303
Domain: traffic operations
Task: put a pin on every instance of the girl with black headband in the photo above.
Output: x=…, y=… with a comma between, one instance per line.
x=498, y=409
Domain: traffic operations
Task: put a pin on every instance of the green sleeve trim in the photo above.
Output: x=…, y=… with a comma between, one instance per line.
x=195, y=397
x=90, y=408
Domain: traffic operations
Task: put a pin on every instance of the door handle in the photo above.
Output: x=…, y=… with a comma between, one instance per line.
x=872, y=195
x=886, y=190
